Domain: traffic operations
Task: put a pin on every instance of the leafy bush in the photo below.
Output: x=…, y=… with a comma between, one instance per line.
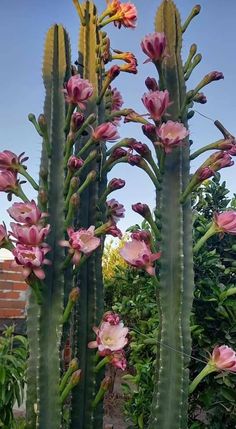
x=13, y=356
x=132, y=293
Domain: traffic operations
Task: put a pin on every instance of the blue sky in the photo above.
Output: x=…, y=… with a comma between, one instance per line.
x=22, y=33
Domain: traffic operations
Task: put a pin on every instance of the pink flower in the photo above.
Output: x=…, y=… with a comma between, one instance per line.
x=223, y=357
x=75, y=163
x=112, y=318
x=27, y=213
x=118, y=360
x=116, y=99
x=126, y=16
x=3, y=235
x=204, y=173
x=156, y=102
x=81, y=241
x=138, y=254
x=113, y=230
x=134, y=159
x=32, y=235
x=78, y=90
x=118, y=153
x=226, y=221
x=8, y=181
x=32, y=259
x=110, y=338
x=77, y=120
x=115, y=210
x=106, y=132
x=171, y=134
x=154, y=46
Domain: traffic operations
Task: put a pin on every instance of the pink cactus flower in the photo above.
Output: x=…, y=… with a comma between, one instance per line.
x=32, y=259
x=110, y=338
x=107, y=132
x=115, y=210
x=81, y=241
x=171, y=135
x=27, y=213
x=77, y=120
x=224, y=358
x=32, y=235
x=116, y=184
x=75, y=163
x=78, y=90
x=126, y=16
x=156, y=102
x=116, y=99
x=118, y=360
x=154, y=46
x=138, y=254
x=226, y=221
x=3, y=235
x=8, y=181
x=204, y=173
x=112, y=318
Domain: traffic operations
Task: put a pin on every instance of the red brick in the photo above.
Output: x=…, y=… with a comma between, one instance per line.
x=4, y=303
x=11, y=313
x=12, y=286
x=4, y=275
x=5, y=265
x=9, y=295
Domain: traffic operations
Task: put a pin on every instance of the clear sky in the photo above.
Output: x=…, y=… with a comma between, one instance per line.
x=22, y=32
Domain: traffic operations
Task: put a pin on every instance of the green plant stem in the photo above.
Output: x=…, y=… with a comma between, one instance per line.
x=102, y=363
x=80, y=12
x=71, y=109
x=210, y=146
x=89, y=143
x=208, y=369
x=19, y=193
x=67, y=311
x=30, y=179
x=211, y=231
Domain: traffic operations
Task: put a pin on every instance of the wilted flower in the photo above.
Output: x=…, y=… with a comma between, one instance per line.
x=115, y=210
x=32, y=259
x=81, y=241
x=226, y=222
x=110, y=337
x=27, y=213
x=106, y=131
x=78, y=90
x=154, y=46
x=118, y=360
x=156, y=102
x=171, y=134
x=138, y=254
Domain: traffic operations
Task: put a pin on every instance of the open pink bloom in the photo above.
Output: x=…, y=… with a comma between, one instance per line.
x=226, y=221
x=81, y=241
x=116, y=99
x=138, y=254
x=223, y=357
x=154, y=46
x=156, y=102
x=78, y=90
x=32, y=259
x=8, y=181
x=27, y=213
x=110, y=338
x=118, y=360
x=3, y=235
x=126, y=15
x=106, y=132
x=171, y=134
x=115, y=210
x=31, y=235
x=112, y=318
x=8, y=160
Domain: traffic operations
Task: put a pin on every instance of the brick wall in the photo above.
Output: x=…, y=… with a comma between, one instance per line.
x=13, y=292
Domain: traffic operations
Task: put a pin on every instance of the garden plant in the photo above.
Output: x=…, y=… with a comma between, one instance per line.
x=58, y=240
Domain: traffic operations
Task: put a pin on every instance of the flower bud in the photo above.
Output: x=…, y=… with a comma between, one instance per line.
x=115, y=184
x=75, y=378
x=75, y=200
x=74, y=294
x=141, y=209
x=118, y=153
x=134, y=160
x=77, y=119
x=74, y=183
x=106, y=383
x=75, y=163
x=74, y=364
x=150, y=132
x=42, y=122
x=151, y=84
x=200, y=98
x=113, y=72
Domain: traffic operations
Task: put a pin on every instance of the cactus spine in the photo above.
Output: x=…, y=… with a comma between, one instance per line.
x=169, y=408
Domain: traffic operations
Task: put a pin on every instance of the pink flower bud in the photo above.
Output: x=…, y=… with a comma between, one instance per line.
x=75, y=163
x=114, y=231
x=126, y=16
x=172, y=134
x=226, y=221
x=113, y=72
x=142, y=236
x=151, y=84
x=204, y=173
x=141, y=148
x=224, y=358
x=150, y=132
x=118, y=360
x=134, y=159
x=138, y=254
x=77, y=119
x=78, y=90
x=3, y=235
x=115, y=210
x=32, y=259
x=116, y=99
x=221, y=160
x=200, y=98
x=106, y=132
x=27, y=213
x=130, y=66
x=215, y=75
x=118, y=153
x=115, y=184
x=8, y=181
x=112, y=318
x=32, y=235
x=154, y=46
x=156, y=102
x=141, y=209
